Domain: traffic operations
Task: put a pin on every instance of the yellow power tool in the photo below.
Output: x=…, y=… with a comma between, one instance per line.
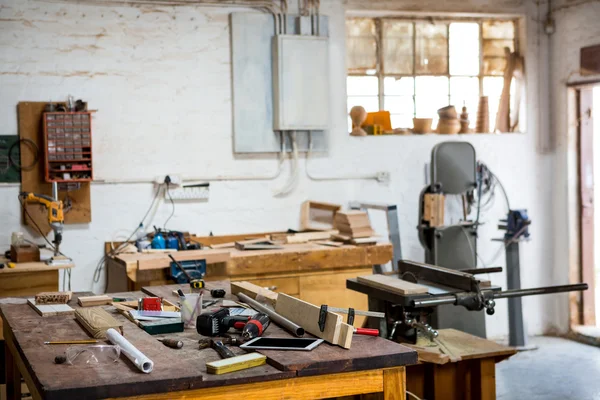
x=56, y=216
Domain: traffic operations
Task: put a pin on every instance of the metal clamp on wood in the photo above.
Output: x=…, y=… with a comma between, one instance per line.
x=350, y=316
x=322, y=317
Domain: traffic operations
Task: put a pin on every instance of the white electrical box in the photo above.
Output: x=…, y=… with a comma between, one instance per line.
x=300, y=82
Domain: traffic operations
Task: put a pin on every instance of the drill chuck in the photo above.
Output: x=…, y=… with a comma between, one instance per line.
x=256, y=326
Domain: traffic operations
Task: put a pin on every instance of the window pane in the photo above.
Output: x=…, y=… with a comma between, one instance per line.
x=496, y=47
x=362, y=85
x=397, y=47
x=401, y=120
x=465, y=92
x=492, y=87
x=399, y=104
x=370, y=103
x=431, y=95
x=398, y=87
x=494, y=65
x=498, y=29
x=464, y=48
x=361, y=45
x=431, y=48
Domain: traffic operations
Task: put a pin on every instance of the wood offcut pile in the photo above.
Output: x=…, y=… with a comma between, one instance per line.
x=354, y=226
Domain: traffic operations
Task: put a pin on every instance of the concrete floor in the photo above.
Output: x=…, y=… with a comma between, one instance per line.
x=559, y=369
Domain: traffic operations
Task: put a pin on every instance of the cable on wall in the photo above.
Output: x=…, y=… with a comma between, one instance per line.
x=376, y=177
x=293, y=179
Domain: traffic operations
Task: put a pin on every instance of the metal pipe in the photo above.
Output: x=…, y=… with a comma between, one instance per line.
x=297, y=330
x=541, y=290
x=434, y=301
x=439, y=301
x=476, y=271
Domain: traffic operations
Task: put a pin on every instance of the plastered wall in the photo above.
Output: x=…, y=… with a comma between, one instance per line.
x=160, y=78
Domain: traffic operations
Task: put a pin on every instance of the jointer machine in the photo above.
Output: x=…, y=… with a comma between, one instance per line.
x=418, y=289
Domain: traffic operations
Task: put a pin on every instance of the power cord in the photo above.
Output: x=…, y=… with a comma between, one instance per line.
x=101, y=263
x=168, y=182
x=37, y=227
x=33, y=147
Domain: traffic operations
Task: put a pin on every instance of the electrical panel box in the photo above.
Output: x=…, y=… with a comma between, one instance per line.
x=300, y=82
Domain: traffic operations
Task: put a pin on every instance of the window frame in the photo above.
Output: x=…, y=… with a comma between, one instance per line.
x=379, y=67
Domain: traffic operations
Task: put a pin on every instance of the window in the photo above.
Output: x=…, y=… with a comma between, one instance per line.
x=413, y=67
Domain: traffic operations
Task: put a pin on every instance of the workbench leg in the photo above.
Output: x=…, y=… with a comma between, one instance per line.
x=483, y=379
x=394, y=384
x=13, y=376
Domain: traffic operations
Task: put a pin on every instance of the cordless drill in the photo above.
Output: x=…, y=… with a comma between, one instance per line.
x=215, y=323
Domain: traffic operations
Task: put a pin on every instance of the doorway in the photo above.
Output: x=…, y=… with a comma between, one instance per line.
x=595, y=121
x=588, y=118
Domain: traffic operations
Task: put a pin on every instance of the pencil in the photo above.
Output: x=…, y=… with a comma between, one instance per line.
x=89, y=341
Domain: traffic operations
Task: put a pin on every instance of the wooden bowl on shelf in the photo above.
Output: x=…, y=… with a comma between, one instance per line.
x=448, y=126
x=422, y=125
x=448, y=112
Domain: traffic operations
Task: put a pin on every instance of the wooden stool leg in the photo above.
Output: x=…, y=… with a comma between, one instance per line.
x=13, y=376
x=394, y=384
x=483, y=380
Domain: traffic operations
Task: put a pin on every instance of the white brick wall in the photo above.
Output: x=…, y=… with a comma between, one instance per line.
x=160, y=78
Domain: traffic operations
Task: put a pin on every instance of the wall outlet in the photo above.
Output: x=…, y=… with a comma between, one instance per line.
x=175, y=180
x=383, y=177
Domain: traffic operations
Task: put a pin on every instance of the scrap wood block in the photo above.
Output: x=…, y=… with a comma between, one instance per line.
x=254, y=291
x=97, y=321
x=433, y=208
x=318, y=216
x=256, y=244
x=90, y=301
x=47, y=310
x=305, y=237
x=53, y=297
x=307, y=316
x=236, y=363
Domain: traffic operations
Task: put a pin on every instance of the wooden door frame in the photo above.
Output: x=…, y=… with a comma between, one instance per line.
x=582, y=304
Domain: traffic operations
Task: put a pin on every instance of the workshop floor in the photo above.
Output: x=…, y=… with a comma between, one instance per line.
x=559, y=369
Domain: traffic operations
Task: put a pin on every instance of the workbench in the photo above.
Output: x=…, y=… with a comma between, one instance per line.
x=465, y=371
x=309, y=271
x=372, y=364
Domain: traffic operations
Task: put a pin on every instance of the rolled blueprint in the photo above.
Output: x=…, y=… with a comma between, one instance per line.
x=137, y=357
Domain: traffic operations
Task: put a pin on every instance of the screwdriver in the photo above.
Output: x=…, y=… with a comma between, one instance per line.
x=256, y=326
x=172, y=343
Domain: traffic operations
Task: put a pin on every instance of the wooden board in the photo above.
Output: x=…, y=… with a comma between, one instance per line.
x=48, y=310
x=35, y=266
x=392, y=283
x=97, y=321
x=253, y=291
x=90, y=301
x=307, y=316
x=32, y=180
x=308, y=236
x=236, y=363
x=367, y=352
x=159, y=261
x=590, y=60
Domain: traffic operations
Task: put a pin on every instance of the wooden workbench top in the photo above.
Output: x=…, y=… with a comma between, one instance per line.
x=292, y=258
x=173, y=369
x=37, y=266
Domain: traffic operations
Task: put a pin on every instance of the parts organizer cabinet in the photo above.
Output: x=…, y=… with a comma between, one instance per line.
x=68, y=146
x=309, y=271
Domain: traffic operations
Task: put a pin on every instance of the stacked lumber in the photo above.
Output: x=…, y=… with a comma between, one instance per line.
x=353, y=224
